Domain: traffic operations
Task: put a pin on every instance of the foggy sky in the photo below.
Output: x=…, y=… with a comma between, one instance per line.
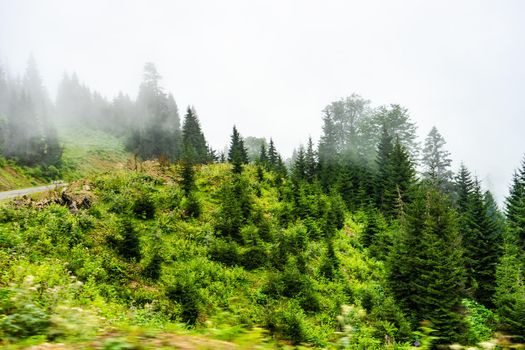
x=270, y=67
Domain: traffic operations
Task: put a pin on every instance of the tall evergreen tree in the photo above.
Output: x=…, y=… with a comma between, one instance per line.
x=464, y=186
x=482, y=240
x=273, y=156
x=157, y=132
x=395, y=178
x=299, y=165
x=263, y=156
x=194, y=144
x=515, y=208
x=436, y=161
x=237, y=154
x=310, y=161
x=426, y=268
x=384, y=152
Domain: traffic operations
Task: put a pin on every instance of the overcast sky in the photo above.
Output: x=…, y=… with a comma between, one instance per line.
x=270, y=67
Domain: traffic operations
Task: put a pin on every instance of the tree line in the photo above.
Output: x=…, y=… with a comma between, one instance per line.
x=442, y=238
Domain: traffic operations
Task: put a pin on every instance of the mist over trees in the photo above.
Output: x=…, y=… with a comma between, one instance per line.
x=441, y=237
x=26, y=134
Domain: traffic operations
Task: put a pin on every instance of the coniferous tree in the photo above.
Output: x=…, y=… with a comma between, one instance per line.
x=237, y=154
x=510, y=276
x=310, y=162
x=328, y=151
x=263, y=156
x=157, y=130
x=509, y=297
x=299, y=166
x=400, y=180
x=194, y=144
x=464, y=186
x=482, y=241
x=273, y=156
x=426, y=267
x=436, y=161
x=515, y=208
x=384, y=152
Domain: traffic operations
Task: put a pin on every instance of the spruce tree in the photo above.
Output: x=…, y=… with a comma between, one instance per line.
x=272, y=156
x=299, y=166
x=310, y=162
x=263, y=156
x=194, y=144
x=515, y=208
x=328, y=152
x=400, y=180
x=463, y=188
x=237, y=155
x=436, y=161
x=426, y=268
x=384, y=152
x=482, y=241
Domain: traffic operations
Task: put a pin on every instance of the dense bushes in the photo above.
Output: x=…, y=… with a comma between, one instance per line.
x=145, y=257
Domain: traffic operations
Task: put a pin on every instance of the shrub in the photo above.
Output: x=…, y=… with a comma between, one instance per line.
x=288, y=321
x=254, y=257
x=20, y=317
x=226, y=252
x=480, y=320
x=185, y=293
x=143, y=206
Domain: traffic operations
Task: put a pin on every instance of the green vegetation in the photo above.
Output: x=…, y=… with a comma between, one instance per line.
x=135, y=257
x=346, y=246
x=89, y=151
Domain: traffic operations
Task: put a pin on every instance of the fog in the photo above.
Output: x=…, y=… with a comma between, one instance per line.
x=270, y=67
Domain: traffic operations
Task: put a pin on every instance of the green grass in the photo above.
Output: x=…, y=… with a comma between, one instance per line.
x=87, y=152
x=13, y=176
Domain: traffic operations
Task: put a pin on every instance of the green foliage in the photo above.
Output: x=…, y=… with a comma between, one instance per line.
x=237, y=154
x=426, y=266
x=285, y=260
x=288, y=321
x=480, y=321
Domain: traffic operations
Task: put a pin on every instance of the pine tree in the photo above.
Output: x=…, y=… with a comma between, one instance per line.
x=272, y=156
x=464, y=186
x=328, y=152
x=263, y=156
x=237, y=155
x=400, y=180
x=384, y=152
x=193, y=142
x=482, y=241
x=425, y=266
x=509, y=297
x=515, y=208
x=310, y=162
x=156, y=133
x=299, y=166
x=436, y=161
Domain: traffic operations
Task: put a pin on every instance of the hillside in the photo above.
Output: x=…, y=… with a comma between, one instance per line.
x=88, y=151
x=13, y=176
x=122, y=250
x=85, y=152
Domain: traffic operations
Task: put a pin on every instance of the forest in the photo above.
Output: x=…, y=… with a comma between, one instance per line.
x=366, y=239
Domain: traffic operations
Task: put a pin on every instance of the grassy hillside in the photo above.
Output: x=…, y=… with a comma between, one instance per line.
x=13, y=176
x=127, y=257
x=88, y=152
